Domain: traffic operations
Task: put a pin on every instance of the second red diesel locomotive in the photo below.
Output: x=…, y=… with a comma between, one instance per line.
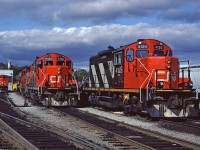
x=50, y=80
x=142, y=77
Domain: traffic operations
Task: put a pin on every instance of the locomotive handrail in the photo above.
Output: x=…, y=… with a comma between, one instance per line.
x=148, y=83
x=144, y=80
x=77, y=89
x=42, y=81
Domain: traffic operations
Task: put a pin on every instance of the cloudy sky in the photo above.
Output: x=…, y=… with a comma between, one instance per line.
x=81, y=28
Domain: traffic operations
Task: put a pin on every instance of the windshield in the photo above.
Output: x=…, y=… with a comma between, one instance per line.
x=48, y=63
x=158, y=53
x=60, y=63
x=142, y=53
x=169, y=53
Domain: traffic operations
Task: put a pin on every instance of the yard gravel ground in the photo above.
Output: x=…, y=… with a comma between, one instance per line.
x=70, y=125
x=153, y=126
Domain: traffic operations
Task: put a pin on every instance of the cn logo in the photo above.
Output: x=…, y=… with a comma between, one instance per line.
x=52, y=79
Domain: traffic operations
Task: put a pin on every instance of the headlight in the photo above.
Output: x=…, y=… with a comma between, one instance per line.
x=59, y=70
x=160, y=84
x=190, y=84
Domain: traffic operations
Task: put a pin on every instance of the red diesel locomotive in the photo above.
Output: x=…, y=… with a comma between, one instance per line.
x=4, y=83
x=142, y=77
x=50, y=81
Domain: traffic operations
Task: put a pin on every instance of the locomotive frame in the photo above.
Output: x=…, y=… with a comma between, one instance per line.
x=141, y=77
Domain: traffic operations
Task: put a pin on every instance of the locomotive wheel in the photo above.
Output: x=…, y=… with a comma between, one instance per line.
x=72, y=101
x=49, y=101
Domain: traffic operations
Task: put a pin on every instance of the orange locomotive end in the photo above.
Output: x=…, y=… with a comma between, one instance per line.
x=142, y=77
x=3, y=83
x=49, y=80
x=150, y=63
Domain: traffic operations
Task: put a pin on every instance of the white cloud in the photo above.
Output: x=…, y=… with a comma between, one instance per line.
x=83, y=42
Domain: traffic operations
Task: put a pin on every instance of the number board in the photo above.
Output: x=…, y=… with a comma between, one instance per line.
x=48, y=58
x=61, y=58
x=159, y=47
x=142, y=46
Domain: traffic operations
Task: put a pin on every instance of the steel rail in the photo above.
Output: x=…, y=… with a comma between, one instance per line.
x=153, y=133
x=16, y=136
x=75, y=139
x=163, y=136
x=123, y=139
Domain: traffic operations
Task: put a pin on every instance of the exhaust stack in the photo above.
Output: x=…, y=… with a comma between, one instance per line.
x=9, y=65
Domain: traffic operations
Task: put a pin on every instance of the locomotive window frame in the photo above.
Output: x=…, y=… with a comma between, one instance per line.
x=169, y=53
x=60, y=63
x=40, y=64
x=69, y=64
x=48, y=63
x=158, y=53
x=118, y=58
x=140, y=54
x=130, y=55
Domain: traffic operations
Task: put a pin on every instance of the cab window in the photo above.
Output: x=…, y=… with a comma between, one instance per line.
x=60, y=63
x=40, y=64
x=130, y=55
x=118, y=58
x=48, y=63
x=169, y=53
x=68, y=63
x=158, y=53
x=142, y=53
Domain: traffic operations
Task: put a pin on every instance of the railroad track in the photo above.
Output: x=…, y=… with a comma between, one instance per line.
x=129, y=136
x=190, y=126
x=31, y=136
x=125, y=141
x=5, y=142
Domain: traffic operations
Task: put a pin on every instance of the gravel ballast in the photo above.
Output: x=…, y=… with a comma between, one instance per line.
x=68, y=124
x=144, y=124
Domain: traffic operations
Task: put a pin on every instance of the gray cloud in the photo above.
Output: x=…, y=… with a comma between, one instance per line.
x=80, y=43
x=51, y=12
x=187, y=16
